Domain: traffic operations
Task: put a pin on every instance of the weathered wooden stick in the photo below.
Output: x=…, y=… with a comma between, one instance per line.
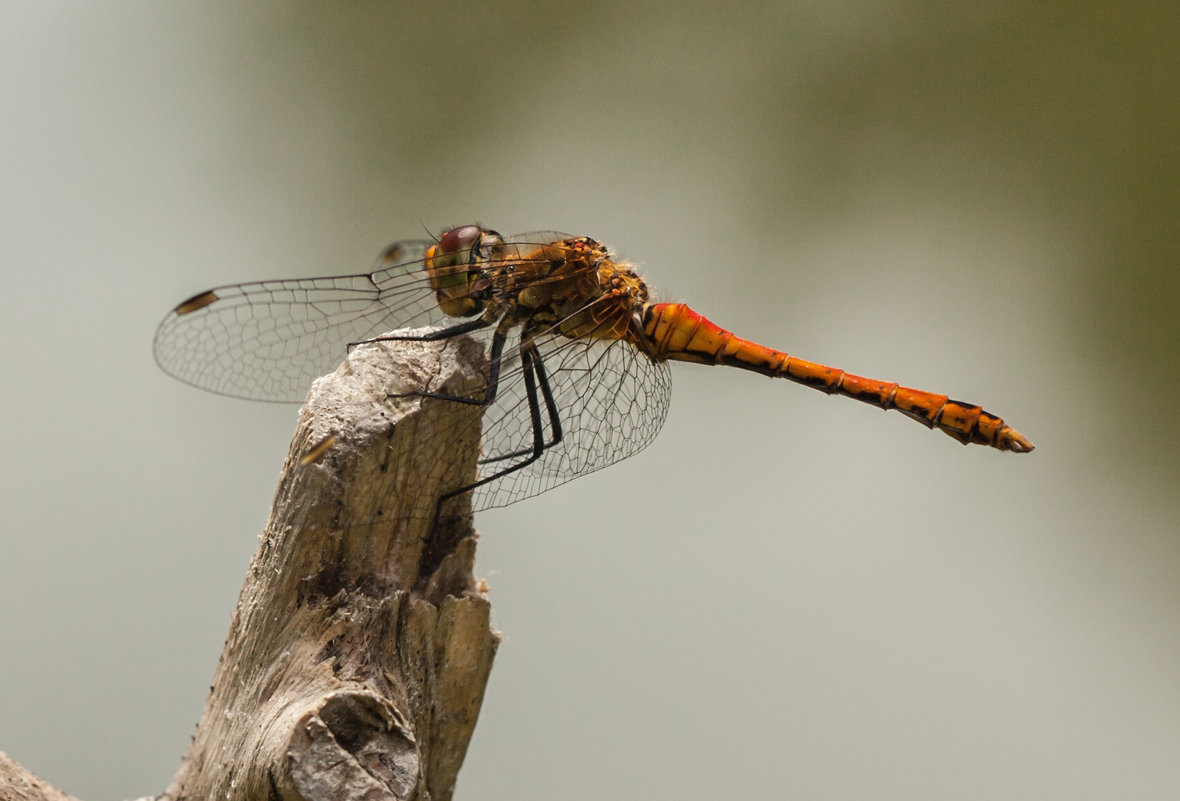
x=358, y=654
x=356, y=662
x=19, y=784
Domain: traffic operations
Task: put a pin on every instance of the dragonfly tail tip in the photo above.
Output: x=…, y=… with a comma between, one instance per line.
x=1013, y=440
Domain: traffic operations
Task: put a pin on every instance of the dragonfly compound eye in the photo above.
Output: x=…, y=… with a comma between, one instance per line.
x=458, y=239
x=453, y=268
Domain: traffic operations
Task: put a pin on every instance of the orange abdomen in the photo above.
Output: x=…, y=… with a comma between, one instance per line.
x=676, y=332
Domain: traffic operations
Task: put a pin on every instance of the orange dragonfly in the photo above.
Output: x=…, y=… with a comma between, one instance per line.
x=577, y=370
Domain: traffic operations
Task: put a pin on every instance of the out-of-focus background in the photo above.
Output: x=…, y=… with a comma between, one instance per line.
x=786, y=596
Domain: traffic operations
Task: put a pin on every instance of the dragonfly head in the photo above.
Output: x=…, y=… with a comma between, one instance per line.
x=454, y=265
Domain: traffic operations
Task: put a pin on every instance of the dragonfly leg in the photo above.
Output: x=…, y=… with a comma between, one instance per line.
x=534, y=361
x=494, y=361
x=547, y=396
x=534, y=377
x=465, y=327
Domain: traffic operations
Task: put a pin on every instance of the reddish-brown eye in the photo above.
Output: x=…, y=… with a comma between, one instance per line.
x=460, y=238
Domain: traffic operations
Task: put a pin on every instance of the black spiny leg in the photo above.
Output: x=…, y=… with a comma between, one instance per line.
x=437, y=548
x=494, y=361
x=529, y=364
x=534, y=360
x=430, y=336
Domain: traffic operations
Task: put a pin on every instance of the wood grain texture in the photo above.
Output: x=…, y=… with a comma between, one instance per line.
x=18, y=784
x=356, y=661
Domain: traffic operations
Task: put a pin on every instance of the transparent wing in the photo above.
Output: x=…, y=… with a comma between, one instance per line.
x=610, y=402
x=538, y=238
x=268, y=340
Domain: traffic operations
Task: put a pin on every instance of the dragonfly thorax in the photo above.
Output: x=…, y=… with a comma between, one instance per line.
x=577, y=289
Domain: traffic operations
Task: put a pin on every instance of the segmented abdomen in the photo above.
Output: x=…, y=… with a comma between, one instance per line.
x=677, y=332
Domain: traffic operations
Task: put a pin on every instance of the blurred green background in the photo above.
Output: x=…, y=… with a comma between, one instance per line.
x=786, y=596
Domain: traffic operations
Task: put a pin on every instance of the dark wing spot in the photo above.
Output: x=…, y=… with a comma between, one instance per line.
x=196, y=302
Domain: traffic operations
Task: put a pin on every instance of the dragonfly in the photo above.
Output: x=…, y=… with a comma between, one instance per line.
x=577, y=374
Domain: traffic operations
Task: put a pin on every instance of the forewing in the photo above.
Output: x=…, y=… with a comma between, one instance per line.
x=538, y=238
x=268, y=340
